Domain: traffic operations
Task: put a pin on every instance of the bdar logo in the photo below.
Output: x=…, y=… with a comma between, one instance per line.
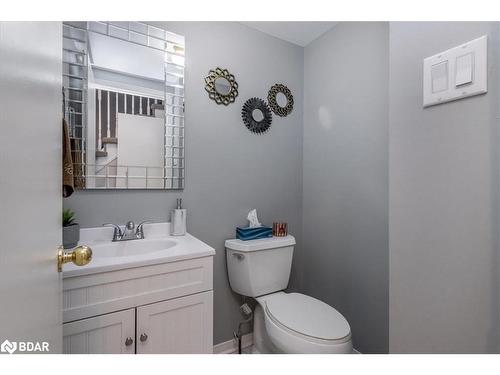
x=9, y=347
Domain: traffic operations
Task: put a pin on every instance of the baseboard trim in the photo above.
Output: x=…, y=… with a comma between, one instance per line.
x=231, y=347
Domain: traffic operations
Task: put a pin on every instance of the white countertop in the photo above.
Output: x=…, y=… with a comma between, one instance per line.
x=99, y=240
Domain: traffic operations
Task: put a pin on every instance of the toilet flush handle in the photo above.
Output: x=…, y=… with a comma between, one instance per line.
x=238, y=256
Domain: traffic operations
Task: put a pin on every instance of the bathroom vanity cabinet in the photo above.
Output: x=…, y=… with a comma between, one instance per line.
x=160, y=308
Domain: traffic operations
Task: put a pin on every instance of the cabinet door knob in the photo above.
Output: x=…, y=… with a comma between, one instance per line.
x=129, y=341
x=143, y=337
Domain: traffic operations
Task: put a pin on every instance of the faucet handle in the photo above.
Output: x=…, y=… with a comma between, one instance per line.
x=140, y=231
x=117, y=233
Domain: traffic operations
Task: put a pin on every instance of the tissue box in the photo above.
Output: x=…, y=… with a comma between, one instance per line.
x=253, y=233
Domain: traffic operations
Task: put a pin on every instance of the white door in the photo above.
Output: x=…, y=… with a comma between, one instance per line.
x=105, y=334
x=30, y=182
x=179, y=326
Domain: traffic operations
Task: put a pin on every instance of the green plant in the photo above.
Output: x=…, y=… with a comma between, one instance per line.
x=68, y=217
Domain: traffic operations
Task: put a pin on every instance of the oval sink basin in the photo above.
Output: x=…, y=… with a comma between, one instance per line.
x=131, y=248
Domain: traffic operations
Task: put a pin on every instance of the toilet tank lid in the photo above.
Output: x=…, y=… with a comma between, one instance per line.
x=260, y=244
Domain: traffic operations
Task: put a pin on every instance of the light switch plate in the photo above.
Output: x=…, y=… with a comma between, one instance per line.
x=457, y=73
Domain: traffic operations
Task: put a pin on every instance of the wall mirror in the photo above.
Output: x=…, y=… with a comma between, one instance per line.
x=221, y=86
x=123, y=93
x=280, y=100
x=256, y=115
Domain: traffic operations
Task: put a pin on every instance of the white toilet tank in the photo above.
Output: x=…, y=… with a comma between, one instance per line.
x=259, y=267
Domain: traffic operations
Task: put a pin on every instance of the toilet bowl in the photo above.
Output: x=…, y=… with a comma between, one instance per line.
x=297, y=323
x=283, y=322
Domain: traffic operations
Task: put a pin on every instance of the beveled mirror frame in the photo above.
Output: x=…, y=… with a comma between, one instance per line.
x=213, y=94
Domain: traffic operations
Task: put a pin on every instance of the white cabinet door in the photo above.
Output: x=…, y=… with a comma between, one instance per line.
x=106, y=334
x=183, y=325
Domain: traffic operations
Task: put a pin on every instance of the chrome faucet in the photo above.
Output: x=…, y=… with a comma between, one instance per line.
x=128, y=232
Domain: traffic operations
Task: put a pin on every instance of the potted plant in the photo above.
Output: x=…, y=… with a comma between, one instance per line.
x=71, y=230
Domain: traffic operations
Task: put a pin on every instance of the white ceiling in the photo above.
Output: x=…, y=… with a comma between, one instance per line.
x=297, y=32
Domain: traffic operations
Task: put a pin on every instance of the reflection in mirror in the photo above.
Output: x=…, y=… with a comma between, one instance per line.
x=131, y=105
x=257, y=115
x=222, y=86
x=281, y=99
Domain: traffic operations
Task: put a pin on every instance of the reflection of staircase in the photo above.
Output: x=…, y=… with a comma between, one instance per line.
x=112, y=167
x=104, y=151
x=107, y=158
x=109, y=104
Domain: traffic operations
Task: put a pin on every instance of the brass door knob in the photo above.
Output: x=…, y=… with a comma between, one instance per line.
x=80, y=256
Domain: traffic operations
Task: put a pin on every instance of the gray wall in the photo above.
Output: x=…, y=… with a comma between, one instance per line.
x=229, y=170
x=345, y=188
x=440, y=165
x=443, y=188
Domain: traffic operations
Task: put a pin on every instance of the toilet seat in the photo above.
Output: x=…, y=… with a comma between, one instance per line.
x=297, y=323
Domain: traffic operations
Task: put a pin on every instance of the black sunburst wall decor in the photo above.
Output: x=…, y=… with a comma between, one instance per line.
x=258, y=126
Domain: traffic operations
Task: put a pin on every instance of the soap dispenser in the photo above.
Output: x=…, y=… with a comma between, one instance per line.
x=178, y=220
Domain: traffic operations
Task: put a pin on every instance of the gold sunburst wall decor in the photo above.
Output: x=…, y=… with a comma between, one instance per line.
x=221, y=86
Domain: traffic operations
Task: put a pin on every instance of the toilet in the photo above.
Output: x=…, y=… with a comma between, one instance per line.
x=283, y=322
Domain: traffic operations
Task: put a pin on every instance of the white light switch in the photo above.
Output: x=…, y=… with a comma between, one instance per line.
x=457, y=73
x=439, y=74
x=464, y=69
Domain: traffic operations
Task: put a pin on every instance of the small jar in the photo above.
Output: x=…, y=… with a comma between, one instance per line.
x=280, y=229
